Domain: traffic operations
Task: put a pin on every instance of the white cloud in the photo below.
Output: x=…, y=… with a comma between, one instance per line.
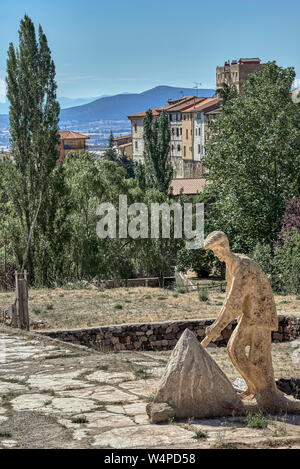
x=2, y=91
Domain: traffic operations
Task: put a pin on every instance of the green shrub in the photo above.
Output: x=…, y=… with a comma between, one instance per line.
x=203, y=294
x=118, y=306
x=200, y=261
x=258, y=420
x=181, y=290
x=36, y=310
x=282, y=264
x=82, y=419
x=200, y=434
x=286, y=277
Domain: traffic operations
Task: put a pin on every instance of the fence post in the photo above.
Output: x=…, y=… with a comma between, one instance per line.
x=22, y=301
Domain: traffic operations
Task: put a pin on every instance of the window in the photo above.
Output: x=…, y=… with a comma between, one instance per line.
x=173, y=130
x=186, y=134
x=178, y=147
x=170, y=117
x=184, y=151
x=198, y=148
x=172, y=147
x=177, y=132
x=136, y=145
x=180, y=130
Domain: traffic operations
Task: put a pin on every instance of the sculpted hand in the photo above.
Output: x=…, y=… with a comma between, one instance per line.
x=212, y=333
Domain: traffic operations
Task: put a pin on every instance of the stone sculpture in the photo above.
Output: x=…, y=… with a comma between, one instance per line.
x=250, y=299
x=193, y=385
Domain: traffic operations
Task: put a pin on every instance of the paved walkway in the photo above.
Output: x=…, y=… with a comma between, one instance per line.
x=55, y=395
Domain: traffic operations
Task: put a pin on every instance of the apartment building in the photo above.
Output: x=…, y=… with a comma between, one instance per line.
x=194, y=127
x=187, y=120
x=174, y=109
x=236, y=72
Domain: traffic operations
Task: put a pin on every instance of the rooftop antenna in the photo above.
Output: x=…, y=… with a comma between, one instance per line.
x=197, y=86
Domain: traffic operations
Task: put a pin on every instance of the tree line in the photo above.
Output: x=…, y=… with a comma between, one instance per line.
x=48, y=210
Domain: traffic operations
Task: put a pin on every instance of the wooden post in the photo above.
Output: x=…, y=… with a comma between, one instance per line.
x=22, y=300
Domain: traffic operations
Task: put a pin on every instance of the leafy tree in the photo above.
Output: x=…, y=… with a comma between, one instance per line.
x=226, y=92
x=111, y=152
x=90, y=182
x=198, y=260
x=33, y=116
x=125, y=162
x=290, y=220
x=158, y=167
x=157, y=256
x=253, y=158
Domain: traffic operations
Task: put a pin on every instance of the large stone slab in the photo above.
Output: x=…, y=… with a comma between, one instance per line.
x=194, y=385
x=143, y=436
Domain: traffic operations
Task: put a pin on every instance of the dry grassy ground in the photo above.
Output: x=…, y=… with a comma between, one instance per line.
x=62, y=308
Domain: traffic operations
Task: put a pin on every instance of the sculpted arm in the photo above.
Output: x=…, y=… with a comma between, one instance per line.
x=229, y=311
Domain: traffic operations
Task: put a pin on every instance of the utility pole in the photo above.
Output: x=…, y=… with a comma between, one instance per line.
x=196, y=87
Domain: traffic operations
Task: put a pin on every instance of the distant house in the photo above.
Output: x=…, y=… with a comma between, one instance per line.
x=124, y=145
x=70, y=141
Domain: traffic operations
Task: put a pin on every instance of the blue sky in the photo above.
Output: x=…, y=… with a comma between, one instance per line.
x=114, y=46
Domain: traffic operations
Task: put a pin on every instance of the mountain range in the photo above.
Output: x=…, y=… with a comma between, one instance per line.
x=119, y=106
x=63, y=101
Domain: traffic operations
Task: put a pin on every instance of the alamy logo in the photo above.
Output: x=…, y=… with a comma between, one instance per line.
x=140, y=221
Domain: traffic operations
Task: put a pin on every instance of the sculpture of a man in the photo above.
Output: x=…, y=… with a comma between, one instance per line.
x=250, y=299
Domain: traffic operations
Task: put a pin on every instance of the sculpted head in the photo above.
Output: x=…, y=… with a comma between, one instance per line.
x=218, y=242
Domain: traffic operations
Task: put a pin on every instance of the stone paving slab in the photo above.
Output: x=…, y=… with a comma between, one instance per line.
x=58, y=395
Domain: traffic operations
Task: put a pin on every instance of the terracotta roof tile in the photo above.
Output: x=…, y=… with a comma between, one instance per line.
x=177, y=105
x=70, y=134
x=205, y=104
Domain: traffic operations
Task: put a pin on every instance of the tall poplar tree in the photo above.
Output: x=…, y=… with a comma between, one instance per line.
x=158, y=167
x=33, y=115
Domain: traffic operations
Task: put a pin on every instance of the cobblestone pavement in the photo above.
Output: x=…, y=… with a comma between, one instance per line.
x=58, y=395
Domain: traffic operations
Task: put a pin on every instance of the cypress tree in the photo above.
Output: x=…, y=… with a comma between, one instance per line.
x=111, y=152
x=158, y=167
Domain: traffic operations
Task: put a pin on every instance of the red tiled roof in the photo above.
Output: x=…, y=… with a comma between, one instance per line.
x=204, y=104
x=172, y=105
x=70, y=134
x=191, y=100
x=143, y=114
x=190, y=186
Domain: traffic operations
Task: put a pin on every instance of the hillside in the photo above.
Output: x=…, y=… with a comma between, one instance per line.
x=118, y=107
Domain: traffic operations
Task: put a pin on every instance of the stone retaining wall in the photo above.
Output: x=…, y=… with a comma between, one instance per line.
x=160, y=335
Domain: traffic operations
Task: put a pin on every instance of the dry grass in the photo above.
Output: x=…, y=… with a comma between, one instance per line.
x=62, y=308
